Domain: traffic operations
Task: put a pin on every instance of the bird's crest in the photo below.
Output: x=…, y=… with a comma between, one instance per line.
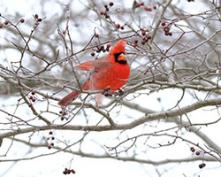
x=119, y=47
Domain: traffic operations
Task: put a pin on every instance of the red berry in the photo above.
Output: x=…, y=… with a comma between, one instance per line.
x=202, y=165
x=170, y=34
x=108, y=47
x=96, y=35
x=135, y=43
x=163, y=24
x=73, y=171
x=117, y=26
x=36, y=16
x=166, y=29
x=192, y=149
x=136, y=5
x=102, y=13
x=65, y=172
x=143, y=42
x=143, y=33
x=6, y=22
x=102, y=48
x=111, y=4
x=106, y=7
x=22, y=20
x=197, y=152
x=149, y=37
x=148, y=9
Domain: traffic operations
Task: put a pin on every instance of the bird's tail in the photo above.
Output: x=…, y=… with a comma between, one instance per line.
x=73, y=95
x=68, y=98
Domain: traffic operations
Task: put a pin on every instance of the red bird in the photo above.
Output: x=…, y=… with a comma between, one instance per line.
x=109, y=73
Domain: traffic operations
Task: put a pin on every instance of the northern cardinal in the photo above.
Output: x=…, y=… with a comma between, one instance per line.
x=109, y=73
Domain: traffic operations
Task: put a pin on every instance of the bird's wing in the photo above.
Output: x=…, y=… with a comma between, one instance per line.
x=94, y=65
x=87, y=66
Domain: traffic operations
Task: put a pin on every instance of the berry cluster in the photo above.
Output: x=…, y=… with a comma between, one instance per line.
x=50, y=140
x=101, y=48
x=145, y=7
x=197, y=152
x=106, y=15
x=63, y=113
x=134, y=43
x=37, y=19
x=107, y=9
x=32, y=97
x=68, y=171
x=119, y=26
x=145, y=36
x=166, y=28
x=202, y=165
x=6, y=22
x=22, y=20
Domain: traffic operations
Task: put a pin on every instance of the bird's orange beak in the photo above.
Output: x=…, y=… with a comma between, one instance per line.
x=122, y=57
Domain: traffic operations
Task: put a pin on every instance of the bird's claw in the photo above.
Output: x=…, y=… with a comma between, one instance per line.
x=120, y=92
x=107, y=92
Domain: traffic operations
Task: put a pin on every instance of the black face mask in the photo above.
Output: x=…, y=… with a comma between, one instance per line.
x=116, y=57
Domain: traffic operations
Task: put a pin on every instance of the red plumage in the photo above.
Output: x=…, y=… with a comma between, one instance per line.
x=109, y=73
